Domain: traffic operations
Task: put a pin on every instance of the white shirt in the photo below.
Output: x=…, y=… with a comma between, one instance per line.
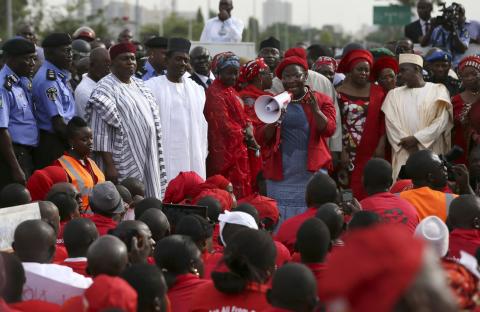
x=424, y=26
x=183, y=124
x=229, y=30
x=203, y=78
x=82, y=94
x=52, y=282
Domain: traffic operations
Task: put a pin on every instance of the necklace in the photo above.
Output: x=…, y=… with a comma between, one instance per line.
x=301, y=98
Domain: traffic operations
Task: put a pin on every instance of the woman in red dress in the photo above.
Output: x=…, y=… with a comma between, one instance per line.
x=466, y=106
x=363, y=123
x=230, y=133
x=257, y=77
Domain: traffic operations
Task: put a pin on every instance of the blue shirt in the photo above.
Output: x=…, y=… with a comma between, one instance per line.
x=442, y=38
x=150, y=72
x=16, y=108
x=52, y=95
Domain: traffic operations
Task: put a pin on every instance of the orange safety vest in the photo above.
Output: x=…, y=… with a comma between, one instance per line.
x=81, y=178
x=429, y=202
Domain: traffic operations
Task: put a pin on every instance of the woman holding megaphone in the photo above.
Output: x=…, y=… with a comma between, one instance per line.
x=295, y=145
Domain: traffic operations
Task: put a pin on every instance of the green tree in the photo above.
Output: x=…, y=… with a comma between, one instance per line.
x=19, y=14
x=199, y=19
x=385, y=34
x=175, y=26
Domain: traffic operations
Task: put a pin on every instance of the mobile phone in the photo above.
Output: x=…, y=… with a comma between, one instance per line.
x=347, y=195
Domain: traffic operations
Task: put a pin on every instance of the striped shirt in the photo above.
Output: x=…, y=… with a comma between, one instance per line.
x=126, y=123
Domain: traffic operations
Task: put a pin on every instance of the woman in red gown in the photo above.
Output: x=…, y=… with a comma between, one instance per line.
x=466, y=106
x=363, y=123
x=230, y=133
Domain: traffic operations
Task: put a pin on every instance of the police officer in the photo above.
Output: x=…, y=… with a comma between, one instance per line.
x=156, y=64
x=18, y=127
x=53, y=97
x=438, y=65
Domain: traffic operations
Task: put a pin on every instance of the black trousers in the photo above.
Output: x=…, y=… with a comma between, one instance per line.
x=50, y=148
x=24, y=155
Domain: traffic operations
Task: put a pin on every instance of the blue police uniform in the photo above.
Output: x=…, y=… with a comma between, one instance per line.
x=17, y=116
x=150, y=72
x=53, y=96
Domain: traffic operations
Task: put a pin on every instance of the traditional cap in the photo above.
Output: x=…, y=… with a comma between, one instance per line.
x=111, y=292
x=18, y=46
x=105, y=197
x=300, y=52
x=471, y=61
x=251, y=70
x=181, y=187
x=433, y=230
x=266, y=206
x=270, y=42
x=387, y=259
x=179, y=45
x=156, y=42
x=325, y=60
x=410, y=58
x=439, y=56
x=56, y=40
x=379, y=52
x=120, y=48
x=289, y=61
x=354, y=57
x=382, y=63
x=236, y=217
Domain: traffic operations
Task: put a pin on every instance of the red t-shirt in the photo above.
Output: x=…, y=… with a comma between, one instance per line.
x=208, y=298
x=318, y=270
x=79, y=267
x=35, y=305
x=210, y=263
x=467, y=240
x=287, y=234
x=180, y=294
x=392, y=209
x=103, y=223
x=60, y=254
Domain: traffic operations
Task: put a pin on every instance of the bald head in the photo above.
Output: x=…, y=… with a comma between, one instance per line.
x=107, y=255
x=302, y=297
x=321, y=189
x=34, y=241
x=332, y=216
x=128, y=230
x=377, y=176
x=78, y=235
x=158, y=223
x=99, y=63
x=464, y=212
x=135, y=186
x=199, y=51
x=13, y=195
x=49, y=213
x=67, y=205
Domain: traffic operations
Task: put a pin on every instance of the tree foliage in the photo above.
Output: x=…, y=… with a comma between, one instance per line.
x=19, y=13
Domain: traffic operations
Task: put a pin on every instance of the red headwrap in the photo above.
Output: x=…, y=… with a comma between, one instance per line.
x=471, y=60
x=266, y=206
x=120, y=48
x=325, y=60
x=382, y=63
x=42, y=180
x=289, y=61
x=223, y=197
x=218, y=180
x=352, y=58
x=300, y=52
x=181, y=187
x=387, y=259
x=252, y=69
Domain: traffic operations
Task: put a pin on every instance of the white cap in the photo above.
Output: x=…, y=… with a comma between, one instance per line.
x=433, y=230
x=236, y=217
x=410, y=58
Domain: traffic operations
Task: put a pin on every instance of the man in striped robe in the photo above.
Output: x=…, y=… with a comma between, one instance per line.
x=126, y=128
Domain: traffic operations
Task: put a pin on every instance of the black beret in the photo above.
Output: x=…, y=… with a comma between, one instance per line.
x=18, y=46
x=270, y=42
x=56, y=40
x=157, y=42
x=179, y=45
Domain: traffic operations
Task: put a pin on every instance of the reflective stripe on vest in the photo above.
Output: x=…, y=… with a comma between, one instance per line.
x=80, y=177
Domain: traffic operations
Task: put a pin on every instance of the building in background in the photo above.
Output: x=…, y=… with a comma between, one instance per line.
x=276, y=11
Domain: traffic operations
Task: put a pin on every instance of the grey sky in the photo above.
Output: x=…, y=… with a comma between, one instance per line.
x=351, y=14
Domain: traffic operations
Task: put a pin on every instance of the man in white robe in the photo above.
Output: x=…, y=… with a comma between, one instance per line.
x=418, y=115
x=181, y=101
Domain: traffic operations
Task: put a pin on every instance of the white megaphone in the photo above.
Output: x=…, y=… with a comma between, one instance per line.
x=269, y=108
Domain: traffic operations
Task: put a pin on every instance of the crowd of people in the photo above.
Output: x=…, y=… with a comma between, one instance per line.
x=159, y=188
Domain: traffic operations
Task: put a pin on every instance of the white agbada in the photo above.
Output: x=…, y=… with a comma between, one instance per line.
x=184, y=127
x=425, y=113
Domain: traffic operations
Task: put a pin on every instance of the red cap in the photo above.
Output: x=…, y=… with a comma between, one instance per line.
x=42, y=180
x=181, y=187
x=110, y=292
x=266, y=206
x=374, y=269
x=120, y=48
x=300, y=52
x=352, y=58
x=289, y=61
x=471, y=60
x=382, y=63
x=220, y=181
